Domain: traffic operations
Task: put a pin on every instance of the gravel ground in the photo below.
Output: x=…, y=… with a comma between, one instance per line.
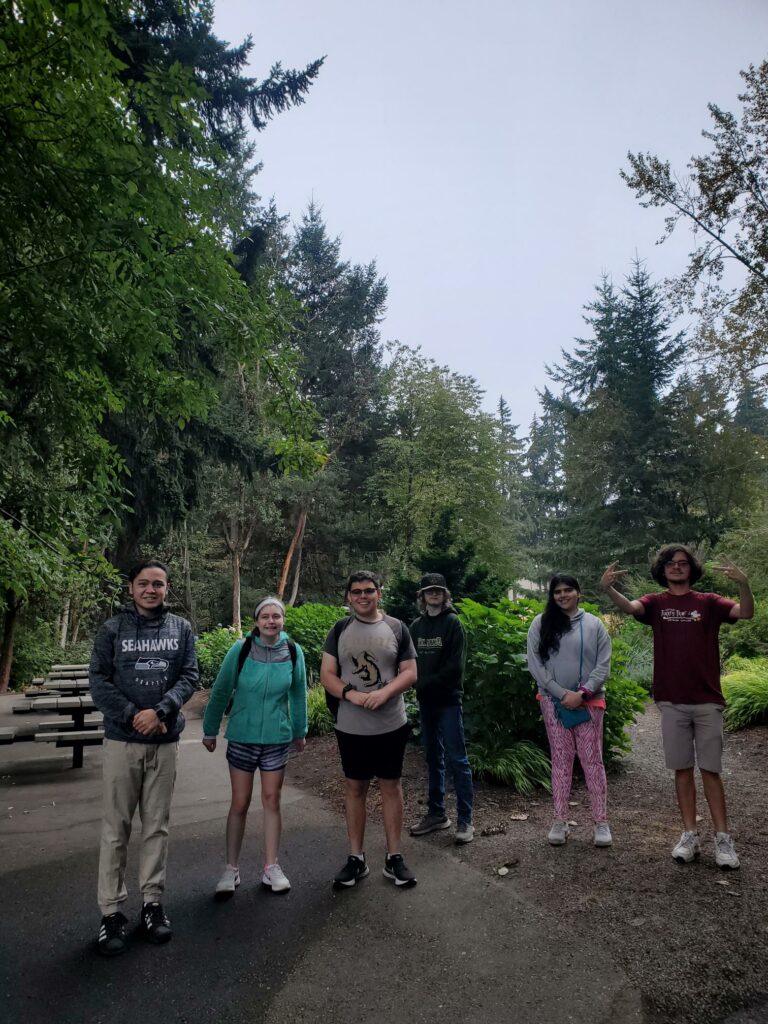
x=691, y=937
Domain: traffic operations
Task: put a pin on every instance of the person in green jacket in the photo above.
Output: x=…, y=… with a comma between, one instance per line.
x=268, y=714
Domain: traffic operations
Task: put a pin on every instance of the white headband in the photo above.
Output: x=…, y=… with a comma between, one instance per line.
x=266, y=601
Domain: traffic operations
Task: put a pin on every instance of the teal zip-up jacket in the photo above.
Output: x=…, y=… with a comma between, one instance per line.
x=270, y=697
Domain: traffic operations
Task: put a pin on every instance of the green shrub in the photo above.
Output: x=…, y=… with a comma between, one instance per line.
x=319, y=718
x=35, y=650
x=500, y=707
x=211, y=650
x=638, y=640
x=745, y=688
x=522, y=765
x=747, y=638
x=308, y=625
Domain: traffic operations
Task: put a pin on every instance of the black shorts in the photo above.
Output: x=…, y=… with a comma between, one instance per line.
x=366, y=757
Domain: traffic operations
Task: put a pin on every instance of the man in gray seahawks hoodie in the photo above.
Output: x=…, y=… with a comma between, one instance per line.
x=143, y=668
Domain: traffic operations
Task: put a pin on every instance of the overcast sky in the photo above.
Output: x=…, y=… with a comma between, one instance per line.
x=473, y=151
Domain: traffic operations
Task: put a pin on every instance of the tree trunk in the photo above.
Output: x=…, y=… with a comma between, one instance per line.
x=296, y=576
x=298, y=533
x=188, y=598
x=64, y=630
x=9, y=629
x=236, y=619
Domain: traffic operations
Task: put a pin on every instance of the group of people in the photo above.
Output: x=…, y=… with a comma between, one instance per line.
x=569, y=656
x=143, y=669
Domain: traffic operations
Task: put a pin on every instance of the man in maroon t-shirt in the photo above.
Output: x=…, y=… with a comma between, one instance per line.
x=686, y=682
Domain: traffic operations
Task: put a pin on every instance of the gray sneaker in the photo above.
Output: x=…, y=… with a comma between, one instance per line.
x=464, y=833
x=725, y=851
x=688, y=848
x=558, y=833
x=603, y=835
x=430, y=823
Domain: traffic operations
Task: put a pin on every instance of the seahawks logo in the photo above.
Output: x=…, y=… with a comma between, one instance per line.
x=151, y=665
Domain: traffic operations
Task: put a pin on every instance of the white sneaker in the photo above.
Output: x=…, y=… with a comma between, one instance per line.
x=558, y=833
x=725, y=851
x=603, y=835
x=274, y=879
x=228, y=882
x=688, y=848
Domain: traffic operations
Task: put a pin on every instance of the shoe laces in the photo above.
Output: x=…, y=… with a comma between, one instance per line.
x=724, y=842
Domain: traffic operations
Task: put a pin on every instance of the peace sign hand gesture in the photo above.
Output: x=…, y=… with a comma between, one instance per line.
x=611, y=575
x=731, y=571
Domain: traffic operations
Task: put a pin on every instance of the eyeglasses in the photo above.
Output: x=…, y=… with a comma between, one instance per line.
x=366, y=592
x=677, y=563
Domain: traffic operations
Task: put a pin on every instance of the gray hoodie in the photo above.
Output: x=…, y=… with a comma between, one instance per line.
x=140, y=662
x=560, y=672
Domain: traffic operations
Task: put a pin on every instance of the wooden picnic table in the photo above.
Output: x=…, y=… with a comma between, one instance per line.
x=80, y=735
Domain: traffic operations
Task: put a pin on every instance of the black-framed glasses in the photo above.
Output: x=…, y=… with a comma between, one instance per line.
x=676, y=563
x=365, y=592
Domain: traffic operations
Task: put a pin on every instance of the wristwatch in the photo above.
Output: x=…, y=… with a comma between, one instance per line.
x=346, y=690
x=161, y=714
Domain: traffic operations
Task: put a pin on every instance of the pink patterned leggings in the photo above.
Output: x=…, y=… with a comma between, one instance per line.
x=586, y=740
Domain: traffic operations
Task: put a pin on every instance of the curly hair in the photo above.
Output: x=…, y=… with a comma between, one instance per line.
x=554, y=621
x=665, y=555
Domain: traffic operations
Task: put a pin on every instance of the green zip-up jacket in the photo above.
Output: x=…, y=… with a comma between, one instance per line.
x=270, y=697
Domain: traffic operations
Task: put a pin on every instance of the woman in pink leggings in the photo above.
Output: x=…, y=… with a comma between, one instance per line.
x=569, y=656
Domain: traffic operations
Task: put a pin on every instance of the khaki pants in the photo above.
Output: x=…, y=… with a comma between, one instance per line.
x=135, y=774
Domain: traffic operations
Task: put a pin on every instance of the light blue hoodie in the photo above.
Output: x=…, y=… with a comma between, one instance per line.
x=560, y=672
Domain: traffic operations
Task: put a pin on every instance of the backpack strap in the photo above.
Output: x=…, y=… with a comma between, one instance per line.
x=331, y=702
x=245, y=650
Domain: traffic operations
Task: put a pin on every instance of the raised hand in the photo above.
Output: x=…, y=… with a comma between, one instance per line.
x=611, y=575
x=731, y=571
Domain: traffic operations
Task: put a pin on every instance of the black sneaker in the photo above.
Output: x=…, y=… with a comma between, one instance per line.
x=396, y=869
x=352, y=872
x=156, y=926
x=112, y=934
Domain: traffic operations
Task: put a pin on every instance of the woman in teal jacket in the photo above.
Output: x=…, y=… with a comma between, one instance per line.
x=268, y=714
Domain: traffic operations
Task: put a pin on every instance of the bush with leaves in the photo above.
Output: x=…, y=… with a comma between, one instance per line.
x=319, y=718
x=211, y=650
x=747, y=638
x=745, y=688
x=309, y=625
x=500, y=707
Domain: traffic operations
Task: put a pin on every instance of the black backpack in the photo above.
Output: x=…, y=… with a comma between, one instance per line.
x=245, y=650
x=332, y=702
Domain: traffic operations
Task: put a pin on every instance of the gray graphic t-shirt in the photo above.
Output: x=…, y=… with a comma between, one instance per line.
x=368, y=655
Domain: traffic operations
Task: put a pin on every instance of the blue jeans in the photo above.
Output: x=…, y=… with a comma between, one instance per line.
x=442, y=730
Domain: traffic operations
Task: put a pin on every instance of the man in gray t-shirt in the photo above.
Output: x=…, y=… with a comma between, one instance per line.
x=368, y=662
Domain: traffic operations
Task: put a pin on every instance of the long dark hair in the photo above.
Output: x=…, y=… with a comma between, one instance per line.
x=554, y=621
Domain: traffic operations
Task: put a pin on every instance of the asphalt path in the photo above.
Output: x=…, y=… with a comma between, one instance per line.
x=461, y=946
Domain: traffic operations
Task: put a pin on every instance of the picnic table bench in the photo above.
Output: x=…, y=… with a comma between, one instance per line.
x=77, y=733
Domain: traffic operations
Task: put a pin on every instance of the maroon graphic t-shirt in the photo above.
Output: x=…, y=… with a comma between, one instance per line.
x=686, y=652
